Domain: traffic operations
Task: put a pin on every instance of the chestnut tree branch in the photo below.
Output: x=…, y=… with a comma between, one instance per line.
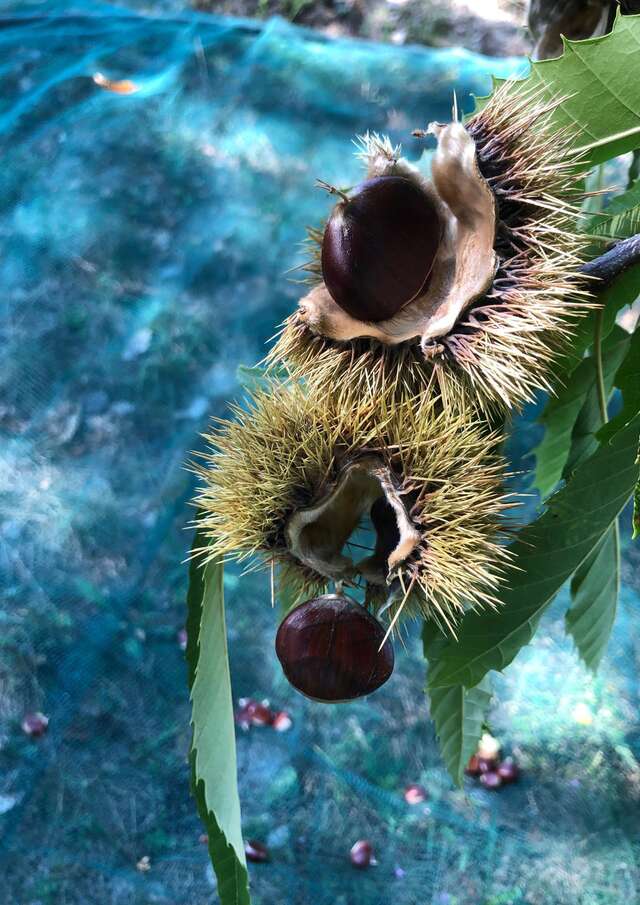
x=606, y=267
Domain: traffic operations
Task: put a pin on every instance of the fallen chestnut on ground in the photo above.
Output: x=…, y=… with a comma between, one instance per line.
x=379, y=247
x=491, y=780
x=256, y=851
x=415, y=794
x=508, y=771
x=329, y=649
x=35, y=724
x=361, y=854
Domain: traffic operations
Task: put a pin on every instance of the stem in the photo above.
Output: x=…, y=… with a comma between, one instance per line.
x=331, y=189
x=597, y=350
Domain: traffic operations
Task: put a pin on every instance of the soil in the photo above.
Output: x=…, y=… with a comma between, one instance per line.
x=499, y=30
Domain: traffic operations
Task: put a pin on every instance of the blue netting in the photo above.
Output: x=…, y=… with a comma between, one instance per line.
x=144, y=238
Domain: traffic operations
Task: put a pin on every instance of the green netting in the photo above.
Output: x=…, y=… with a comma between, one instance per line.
x=143, y=242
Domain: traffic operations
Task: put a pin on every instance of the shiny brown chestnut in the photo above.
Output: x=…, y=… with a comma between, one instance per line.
x=379, y=247
x=329, y=649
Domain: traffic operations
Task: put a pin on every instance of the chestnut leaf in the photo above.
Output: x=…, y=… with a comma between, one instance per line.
x=619, y=220
x=546, y=553
x=213, y=747
x=458, y=713
x=594, y=591
x=567, y=415
x=598, y=79
x=621, y=217
x=628, y=382
x=571, y=409
x=584, y=441
x=636, y=507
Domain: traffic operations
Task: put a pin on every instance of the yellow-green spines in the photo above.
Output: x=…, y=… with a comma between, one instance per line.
x=496, y=347
x=288, y=448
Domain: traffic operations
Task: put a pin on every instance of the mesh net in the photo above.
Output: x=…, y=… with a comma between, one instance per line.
x=145, y=229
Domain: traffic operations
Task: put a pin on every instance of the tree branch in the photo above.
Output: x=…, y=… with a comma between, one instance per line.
x=612, y=263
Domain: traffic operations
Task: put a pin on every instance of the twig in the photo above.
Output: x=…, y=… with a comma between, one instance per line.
x=597, y=349
x=606, y=267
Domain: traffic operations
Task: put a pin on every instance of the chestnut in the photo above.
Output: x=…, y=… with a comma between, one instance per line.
x=379, y=247
x=282, y=721
x=508, y=771
x=361, y=854
x=491, y=780
x=415, y=794
x=35, y=724
x=256, y=851
x=253, y=713
x=329, y=649
x=473, y=767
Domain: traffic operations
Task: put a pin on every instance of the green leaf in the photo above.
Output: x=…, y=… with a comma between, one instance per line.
x=545, y=553
x=636, y=508
x=621, y=217
x=213, y=746
x=558, y=418
x=594, y=589
x=598, y=79
x=589, y=420
x=624, y=290
x=627, y=380
x=459, y=714
x=568, y=411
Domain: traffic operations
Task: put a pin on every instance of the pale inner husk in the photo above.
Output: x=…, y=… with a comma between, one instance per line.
x=316, y=535
x=465, y=264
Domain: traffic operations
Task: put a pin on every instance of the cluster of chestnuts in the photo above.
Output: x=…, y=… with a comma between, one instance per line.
x=378, y=251
x=489, y=768
x=436, y=301
x=259, y=713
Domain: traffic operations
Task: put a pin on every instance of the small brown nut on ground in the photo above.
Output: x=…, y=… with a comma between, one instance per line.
x=361, y=854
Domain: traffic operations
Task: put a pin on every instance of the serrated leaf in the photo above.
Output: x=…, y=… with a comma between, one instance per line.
x=599, y=80
x=213, y=746
x=624, y=291
x=621, y=217
x=564, y=410
x=546, y=553
x=459, y=714
x=594, y=591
